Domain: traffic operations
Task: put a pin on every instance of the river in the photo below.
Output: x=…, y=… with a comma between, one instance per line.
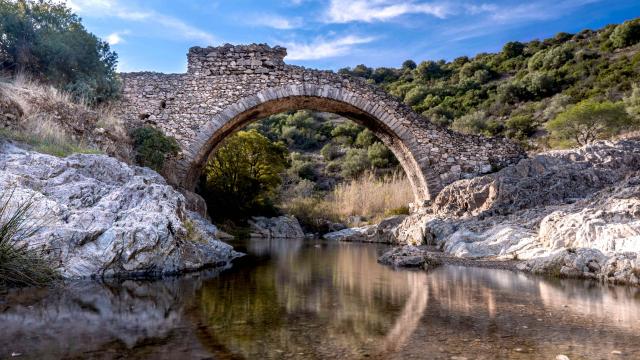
x=319, y=300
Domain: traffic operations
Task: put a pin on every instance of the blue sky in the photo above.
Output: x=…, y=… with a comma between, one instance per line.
x=155, y=35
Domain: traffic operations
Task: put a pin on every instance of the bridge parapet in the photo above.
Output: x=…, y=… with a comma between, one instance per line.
x=234, y=60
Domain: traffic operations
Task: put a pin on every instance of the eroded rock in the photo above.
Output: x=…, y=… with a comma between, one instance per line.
x=282, y=227
x=103, y=218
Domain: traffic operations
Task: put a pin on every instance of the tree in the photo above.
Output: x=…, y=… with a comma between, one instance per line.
x=588, y=121
x=379, y=155
x=242, y=175
x=428, y=70
x=44, y=39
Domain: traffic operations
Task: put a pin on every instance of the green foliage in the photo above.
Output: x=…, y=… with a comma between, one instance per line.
x=152, y=147
x=365, y=138
x=242, y=176
x=379, y=155
x=626, y=34
x=512, y=49
x=632, y=103
x=355, y=162
x=330, y=151
x=520, y=127
x=21, y=265
x=588, y=121
x=45, y=39
x=545, y=75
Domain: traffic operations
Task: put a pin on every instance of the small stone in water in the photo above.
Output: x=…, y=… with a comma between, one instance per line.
x=14, y=354
x=616, y=352
x=562, y=357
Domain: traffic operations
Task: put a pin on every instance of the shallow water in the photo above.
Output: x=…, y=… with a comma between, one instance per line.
x=313, y=299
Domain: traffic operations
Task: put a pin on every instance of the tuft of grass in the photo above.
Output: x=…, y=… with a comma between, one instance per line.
x=21, y=265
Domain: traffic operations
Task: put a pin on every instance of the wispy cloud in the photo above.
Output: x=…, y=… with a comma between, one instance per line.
x=275, y=21
x=344, y=11
x=322, y=48
x=114, y=8
x=498, y=18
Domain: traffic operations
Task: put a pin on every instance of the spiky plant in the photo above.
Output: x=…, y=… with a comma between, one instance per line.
x=21, y=265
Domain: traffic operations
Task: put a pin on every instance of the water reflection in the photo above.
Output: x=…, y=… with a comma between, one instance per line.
x=308, y=299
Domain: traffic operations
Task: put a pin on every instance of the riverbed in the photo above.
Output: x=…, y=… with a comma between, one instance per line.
x=312, y=299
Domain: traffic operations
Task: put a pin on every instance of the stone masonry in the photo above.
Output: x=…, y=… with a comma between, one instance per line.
x=227, y=87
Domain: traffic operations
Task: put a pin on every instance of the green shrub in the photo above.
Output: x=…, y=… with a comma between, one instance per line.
x=626, y=34
x=365, y=138
x=520, y=127
x=21, y=265
x=355, y=162
x=46, y=40
x=330, y=151
x=152, y=147
x=379, y=155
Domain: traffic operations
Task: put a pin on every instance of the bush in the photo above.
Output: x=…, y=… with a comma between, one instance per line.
x=520, y=127
x=365, y=138
x=626, y=34
x=474, y=123
x=330, y=151
x=152, y=147
x=588, y=121
x=379, y=155
x=355, y=162
x=632, y=103
x=21, y=265
x=45, y=39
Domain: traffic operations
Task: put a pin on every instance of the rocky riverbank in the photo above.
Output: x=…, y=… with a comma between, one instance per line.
x=569, y=213
x=99, y=217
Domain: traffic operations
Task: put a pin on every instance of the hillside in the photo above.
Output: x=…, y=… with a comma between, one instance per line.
x=516, y=91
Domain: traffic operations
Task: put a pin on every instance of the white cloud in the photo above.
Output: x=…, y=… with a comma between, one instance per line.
x=114, y=8
x=344, y=11
x=114, y=38
x=276, y=21
x=322, y=48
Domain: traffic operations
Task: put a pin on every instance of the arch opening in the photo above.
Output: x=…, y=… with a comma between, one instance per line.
x=219, y=129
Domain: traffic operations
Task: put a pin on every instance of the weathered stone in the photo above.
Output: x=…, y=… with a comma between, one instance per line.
x=276, y=227
x=103, y=218
x=234, y=77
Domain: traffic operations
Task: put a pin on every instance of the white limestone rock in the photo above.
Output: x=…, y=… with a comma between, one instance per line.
x=102, y=218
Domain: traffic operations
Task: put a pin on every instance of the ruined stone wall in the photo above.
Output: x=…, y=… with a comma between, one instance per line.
x=226, y=87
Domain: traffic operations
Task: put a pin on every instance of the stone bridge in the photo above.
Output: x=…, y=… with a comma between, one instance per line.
x=227, y=87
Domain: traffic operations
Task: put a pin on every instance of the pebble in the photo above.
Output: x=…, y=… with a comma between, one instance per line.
x=562, y=357
x=616, y=352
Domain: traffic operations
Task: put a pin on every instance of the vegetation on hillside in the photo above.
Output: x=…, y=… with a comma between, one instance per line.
x=516, y=91
x=45, y=40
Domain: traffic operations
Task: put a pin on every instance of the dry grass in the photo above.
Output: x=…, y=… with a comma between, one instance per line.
x=370, y=197
x=43, y=110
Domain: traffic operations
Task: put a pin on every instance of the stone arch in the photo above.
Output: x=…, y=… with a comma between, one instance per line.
x=376, y=117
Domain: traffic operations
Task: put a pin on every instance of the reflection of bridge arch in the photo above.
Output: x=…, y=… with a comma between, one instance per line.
x=227, y=87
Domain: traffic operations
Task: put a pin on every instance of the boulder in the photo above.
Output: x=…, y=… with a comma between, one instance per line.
x=103, y=218
x=409, y=256
x=284, y=227
x=383, y=232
